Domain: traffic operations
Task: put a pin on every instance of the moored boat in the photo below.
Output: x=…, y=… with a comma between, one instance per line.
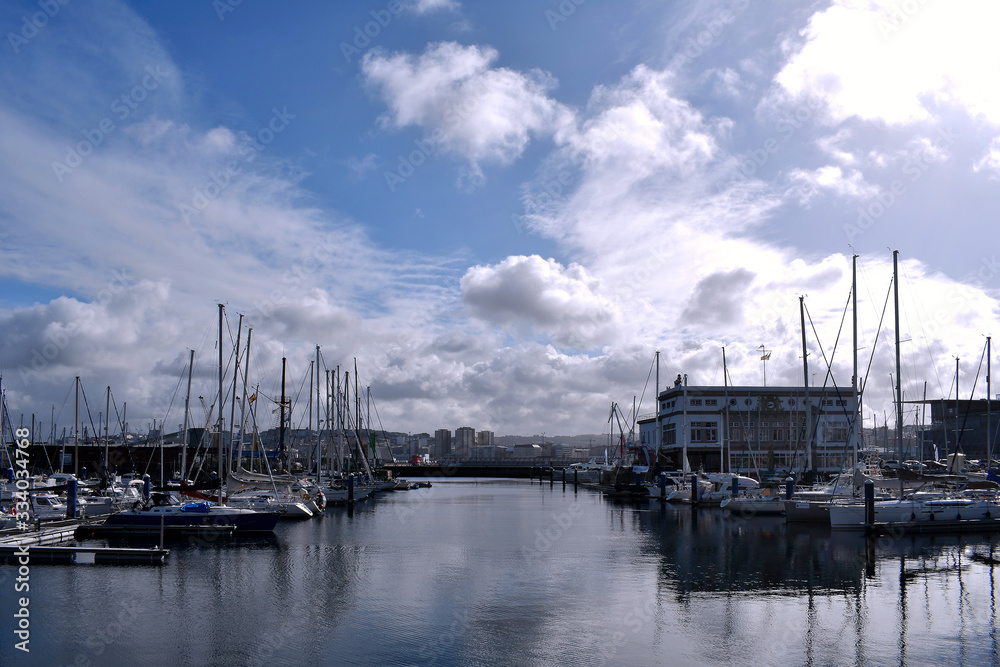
x=164, y=510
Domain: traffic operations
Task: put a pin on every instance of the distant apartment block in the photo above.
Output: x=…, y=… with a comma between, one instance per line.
x=465, y=440
x=442, y=443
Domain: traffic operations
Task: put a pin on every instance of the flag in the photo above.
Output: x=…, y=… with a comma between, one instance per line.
x=253, y=397
x=765, y=357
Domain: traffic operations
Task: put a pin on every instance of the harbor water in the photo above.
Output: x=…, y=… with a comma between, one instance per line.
x=513, y=572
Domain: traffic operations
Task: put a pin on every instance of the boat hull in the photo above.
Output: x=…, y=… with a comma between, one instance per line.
x=242, y=521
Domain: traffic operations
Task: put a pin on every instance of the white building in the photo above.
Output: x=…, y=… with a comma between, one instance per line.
x=753, y=428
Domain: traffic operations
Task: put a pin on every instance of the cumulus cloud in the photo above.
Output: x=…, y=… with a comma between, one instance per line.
x=896, y=62
x=464, y=104
x=717, y=301
x=563, y=302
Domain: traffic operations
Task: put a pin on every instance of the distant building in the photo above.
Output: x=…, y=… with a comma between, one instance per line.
x=484, y=439
x=962, y=425
x=527, y=451
x=442, y=443
x=752, y=428
x=465, y=440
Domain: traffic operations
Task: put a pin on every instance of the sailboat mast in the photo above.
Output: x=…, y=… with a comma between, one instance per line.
x=899, y=388
x=989, y=415
x=243, y=401
x=76, y=430
x=281, y=425
x=856, y=382
x=659, y=427
x=725, y=412
x=187, y=405
x=236, y=378
x=222, y=470
x=107, y=442
x=810, y=459
x=319, y=421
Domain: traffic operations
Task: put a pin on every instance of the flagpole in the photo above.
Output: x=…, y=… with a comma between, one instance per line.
x=765, y=354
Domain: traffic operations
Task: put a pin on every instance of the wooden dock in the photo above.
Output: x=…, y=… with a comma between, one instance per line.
x=51, y=532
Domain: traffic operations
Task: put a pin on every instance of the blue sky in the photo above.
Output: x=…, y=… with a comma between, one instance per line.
x=501, y=210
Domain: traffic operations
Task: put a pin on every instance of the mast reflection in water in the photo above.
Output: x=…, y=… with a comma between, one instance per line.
x=503, y=572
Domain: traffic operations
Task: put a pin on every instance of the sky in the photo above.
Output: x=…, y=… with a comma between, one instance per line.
x=500, y=211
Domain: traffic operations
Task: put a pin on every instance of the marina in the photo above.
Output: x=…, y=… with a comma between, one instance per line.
x=502, y=571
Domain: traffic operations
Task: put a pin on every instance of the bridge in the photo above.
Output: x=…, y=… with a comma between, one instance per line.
x=511, y=468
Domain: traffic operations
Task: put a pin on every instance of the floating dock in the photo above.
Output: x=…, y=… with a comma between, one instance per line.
x=84, y=555
x=936, y=527
x=102, y=530
x=51, y=532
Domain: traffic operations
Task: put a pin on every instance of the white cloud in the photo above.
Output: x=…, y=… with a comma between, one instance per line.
x=990, y=162
x=898, y=62
x=464, y=105
x=832, y=179
x=832, y=146
x=428, y=6
x=563, y=302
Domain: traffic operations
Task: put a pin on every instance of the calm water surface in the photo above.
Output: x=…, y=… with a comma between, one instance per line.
x=506, y=572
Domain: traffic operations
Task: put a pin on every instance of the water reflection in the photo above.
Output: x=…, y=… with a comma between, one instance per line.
x=473, y=572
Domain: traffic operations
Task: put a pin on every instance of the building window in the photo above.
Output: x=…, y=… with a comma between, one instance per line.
x=670, y=434
x=763, y=434
x=711, y=401
x=695, y=401
x=704, y=432
x=777, y=434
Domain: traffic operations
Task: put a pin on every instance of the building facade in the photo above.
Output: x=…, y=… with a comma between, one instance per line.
x=484, y=439
x=465, y=440
x=970, y=426
x=442, y=443
x=752, y=429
